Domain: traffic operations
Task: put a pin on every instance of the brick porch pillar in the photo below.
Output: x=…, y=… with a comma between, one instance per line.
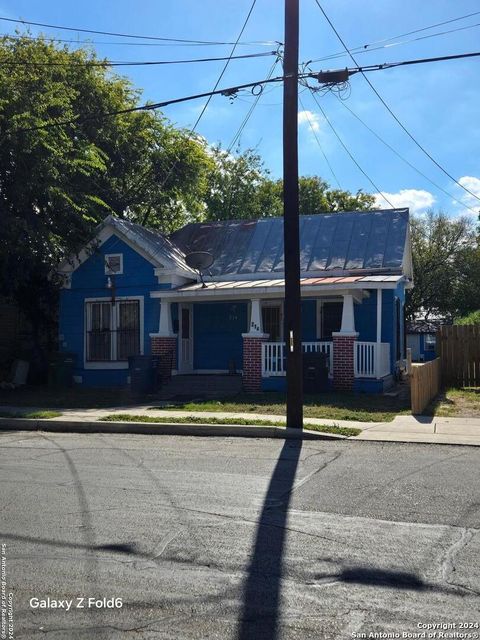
x=252, y=349
x=252, y=361
x=164, y=343
x=344, y=347
x=343, y=361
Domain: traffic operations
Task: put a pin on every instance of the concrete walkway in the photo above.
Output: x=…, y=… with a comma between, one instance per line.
x=420, y=429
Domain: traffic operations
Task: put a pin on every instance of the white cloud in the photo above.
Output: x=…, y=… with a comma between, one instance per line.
x=417, y=200
x=309, y=119
x=472, y=184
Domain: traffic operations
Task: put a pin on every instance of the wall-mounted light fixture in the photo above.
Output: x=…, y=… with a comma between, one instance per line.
x=111, y=286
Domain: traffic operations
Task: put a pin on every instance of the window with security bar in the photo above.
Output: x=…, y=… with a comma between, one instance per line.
x=113, y=330
x=272, y=322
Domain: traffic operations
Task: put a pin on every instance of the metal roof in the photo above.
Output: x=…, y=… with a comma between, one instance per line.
x=304, y=282
x=275, y=286
x=159, y=247
x=340, y=242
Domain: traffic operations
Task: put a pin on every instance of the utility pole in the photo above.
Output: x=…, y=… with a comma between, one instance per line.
x=291, y=234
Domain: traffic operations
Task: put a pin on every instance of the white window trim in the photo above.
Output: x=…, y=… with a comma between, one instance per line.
x=113, y=364
x=107, y=270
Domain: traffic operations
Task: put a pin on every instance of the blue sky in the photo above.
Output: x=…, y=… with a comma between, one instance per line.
x=438, y=102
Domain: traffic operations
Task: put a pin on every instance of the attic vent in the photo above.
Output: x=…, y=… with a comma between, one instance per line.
x=113, y=264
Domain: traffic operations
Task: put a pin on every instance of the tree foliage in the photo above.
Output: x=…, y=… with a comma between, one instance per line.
x=446, y=266
x=57, y=183
x=241, y=187
x=472, y=318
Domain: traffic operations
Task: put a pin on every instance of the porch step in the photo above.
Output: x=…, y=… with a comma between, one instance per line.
x=201, y=386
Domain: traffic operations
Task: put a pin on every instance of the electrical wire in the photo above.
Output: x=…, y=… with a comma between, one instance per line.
x=251, y=110
x=129, y=35
x=394, y=116
x=205, y=106
x=266, y=43
x=403, y=63
x=312, y=128
x=350, y=154
x=147, y=107
x=395, y=44
x=412, y=166
x=139, y=63
x=370, y=47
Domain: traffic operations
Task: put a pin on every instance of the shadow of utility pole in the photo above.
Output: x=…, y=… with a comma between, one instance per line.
x=261, y=600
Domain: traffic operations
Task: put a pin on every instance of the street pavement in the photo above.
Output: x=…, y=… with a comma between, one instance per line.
x=233, y=538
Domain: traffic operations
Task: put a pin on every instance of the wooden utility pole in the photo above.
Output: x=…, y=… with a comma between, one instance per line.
x=293, y=338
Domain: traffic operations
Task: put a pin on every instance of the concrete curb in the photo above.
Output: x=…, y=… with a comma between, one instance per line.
x=163, y=428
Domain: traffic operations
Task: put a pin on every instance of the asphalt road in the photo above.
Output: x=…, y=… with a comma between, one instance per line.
x=229, y=538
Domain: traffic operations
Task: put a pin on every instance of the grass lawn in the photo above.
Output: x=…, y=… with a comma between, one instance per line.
x=334, y=406
x=39, y=415
x=127, y=417
x=456, y=403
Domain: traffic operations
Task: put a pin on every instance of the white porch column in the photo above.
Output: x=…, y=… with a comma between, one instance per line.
x=348, y=316
x=256, y=322
x=165, y=329
x=252, y=349
x=379, y=333
x=164, y=343
x=344, y=347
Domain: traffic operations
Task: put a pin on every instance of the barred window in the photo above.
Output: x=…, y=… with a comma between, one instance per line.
x=113, y=330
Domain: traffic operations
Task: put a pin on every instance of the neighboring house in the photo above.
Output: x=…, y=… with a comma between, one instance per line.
x=132, y=292
x=421, y=339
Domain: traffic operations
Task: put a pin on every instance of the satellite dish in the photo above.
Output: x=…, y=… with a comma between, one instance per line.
x=199, y=261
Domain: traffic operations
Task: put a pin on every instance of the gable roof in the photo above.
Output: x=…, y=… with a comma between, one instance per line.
x=154, y=246
x=159, y=247
x=360, y=241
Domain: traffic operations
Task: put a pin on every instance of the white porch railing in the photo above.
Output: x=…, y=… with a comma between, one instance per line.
x=274, y=357
x=370, y=361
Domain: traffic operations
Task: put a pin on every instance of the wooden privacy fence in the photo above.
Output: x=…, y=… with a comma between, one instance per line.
x=425, y=383
x=458, y=347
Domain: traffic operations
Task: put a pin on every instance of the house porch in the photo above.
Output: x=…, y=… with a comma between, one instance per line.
x=225, y=329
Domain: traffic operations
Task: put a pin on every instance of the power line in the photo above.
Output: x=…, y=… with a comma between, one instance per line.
x=392, y=65
x=115, y=63
x=250, y=111
x=312, y=128
x=422, y=148
x=150, y=107
x=212, y=93
x=229, y=91
x=412, y=166
x=370, y=46
x=350, y=154
x=266, y=43
x=395, y=44
x=124, y=35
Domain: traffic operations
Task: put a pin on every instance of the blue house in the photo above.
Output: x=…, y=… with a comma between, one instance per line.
x=131, y=291
x=422, y=339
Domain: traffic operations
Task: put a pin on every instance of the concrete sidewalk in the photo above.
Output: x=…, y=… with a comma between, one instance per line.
x=404, y=428
x=427, y=429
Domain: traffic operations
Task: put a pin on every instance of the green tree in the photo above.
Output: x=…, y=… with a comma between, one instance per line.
x=240, y=187
x=445, y=259
x=58, y=182
x=472, y=318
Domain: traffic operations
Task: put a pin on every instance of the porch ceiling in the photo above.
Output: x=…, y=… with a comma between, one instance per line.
x=257, y=288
